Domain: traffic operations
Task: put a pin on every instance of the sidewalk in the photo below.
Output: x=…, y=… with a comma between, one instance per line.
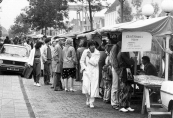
x=13, y=98
x=21, y=99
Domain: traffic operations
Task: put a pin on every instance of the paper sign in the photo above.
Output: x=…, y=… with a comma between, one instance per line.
x=136, y=41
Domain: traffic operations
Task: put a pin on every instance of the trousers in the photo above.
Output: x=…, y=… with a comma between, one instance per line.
x=36, y=71
x=115, y=88
x=91, y=99
x=47, y=73
x=57, y=84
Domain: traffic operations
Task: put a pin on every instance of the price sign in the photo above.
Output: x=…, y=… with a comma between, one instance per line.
x=136, y=41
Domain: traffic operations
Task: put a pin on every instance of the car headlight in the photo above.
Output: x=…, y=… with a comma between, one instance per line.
x=1, y=61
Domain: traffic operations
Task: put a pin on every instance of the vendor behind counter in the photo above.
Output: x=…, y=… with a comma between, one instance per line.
x=149, y=68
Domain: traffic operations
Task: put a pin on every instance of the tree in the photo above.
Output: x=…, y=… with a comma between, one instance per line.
x=127, y=13
x=156, y=9
x=93, y=6
x=42, y=14
x=20, y=26
x=138, y=10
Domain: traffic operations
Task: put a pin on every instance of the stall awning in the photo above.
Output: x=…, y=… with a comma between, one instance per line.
x=156, y=26
x=112, y=28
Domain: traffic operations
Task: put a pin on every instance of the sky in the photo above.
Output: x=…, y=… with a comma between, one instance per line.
x=11, y=8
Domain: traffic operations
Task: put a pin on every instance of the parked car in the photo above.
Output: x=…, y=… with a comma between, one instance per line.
x=13, y=58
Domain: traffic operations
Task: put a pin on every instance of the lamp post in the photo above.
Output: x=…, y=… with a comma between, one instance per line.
x=147, y=10
x=166, y=6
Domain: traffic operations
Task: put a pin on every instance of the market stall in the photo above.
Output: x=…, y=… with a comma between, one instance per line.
x=135, y=40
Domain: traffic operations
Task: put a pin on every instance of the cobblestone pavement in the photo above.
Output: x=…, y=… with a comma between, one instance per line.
x=47, y=103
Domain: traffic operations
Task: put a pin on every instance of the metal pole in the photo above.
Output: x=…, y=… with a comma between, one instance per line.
x=90, y=13
x=168, y=37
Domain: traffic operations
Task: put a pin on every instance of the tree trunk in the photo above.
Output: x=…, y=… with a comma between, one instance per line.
x=90, y=13
x=122, y=3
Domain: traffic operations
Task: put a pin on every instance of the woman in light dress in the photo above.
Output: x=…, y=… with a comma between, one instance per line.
x=89, y=67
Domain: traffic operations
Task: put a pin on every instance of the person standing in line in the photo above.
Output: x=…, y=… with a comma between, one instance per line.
x=115, y=70
x=69, y=64
x=47, y=60
x=125, y=62
x=52, y=47
x=79, y=54
x=107, y=76
x=101, y=64
x=58, y=63
x=35, y=62
x=90, y=69
x=42, y=48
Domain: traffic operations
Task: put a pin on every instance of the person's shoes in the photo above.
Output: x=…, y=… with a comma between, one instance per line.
x=91, y=106
x=51, y=87
x=38, y=85
x=87, y=103
x=47, y=83
x=123, y=110
x=115, y=107
x=72, y=90
x=35, y=83
x=130, y=109
x=58, y=89
x=66, y=90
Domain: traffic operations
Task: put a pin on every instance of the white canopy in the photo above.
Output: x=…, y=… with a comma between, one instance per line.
x=161, y=26
x=155, y=26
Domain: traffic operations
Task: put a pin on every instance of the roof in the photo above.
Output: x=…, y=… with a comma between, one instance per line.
x=113, y=7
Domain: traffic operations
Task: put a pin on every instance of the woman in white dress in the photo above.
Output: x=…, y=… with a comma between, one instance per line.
x=90, y=69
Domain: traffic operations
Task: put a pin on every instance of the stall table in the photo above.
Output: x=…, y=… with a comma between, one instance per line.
x=146, y=98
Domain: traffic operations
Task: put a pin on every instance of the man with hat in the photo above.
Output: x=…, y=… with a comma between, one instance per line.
x=47, y=60
x=57, y=68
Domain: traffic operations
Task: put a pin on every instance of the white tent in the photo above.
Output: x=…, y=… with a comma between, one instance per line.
x=161, y=26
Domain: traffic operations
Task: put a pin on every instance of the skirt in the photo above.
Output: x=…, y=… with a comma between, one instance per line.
x=68, y=72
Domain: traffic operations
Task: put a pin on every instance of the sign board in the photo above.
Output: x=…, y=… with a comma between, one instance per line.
x=136, y=41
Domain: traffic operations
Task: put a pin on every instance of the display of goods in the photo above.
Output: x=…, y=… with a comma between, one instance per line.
x=146, y=79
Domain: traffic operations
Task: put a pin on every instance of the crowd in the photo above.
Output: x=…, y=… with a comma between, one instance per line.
x=104, y=70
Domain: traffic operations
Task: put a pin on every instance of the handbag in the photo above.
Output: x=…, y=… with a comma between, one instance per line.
x=27, y=72
x=129, y=75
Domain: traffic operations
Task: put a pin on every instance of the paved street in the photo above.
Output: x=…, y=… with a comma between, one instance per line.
x=47, y=103
x=21, y=99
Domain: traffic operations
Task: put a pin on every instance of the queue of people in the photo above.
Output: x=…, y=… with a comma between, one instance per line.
x=104, y=70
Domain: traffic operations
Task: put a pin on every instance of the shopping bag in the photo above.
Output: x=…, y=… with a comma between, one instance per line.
x=27, y=72
x=129, y=75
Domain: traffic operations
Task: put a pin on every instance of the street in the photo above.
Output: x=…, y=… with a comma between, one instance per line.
x=43, y=102
x=47, y=103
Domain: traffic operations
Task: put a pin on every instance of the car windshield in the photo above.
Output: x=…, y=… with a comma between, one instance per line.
x=14, y=51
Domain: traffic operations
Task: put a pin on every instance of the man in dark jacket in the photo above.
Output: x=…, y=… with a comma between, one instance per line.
x=149, y=68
